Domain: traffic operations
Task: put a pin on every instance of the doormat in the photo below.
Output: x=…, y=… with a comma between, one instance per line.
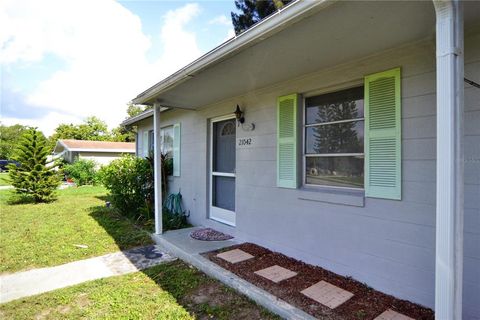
x=208, y=234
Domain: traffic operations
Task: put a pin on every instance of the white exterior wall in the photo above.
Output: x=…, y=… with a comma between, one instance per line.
x=101, y=158
x=388, y=244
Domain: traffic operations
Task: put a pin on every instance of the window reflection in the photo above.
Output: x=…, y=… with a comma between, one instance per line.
x=334, y=139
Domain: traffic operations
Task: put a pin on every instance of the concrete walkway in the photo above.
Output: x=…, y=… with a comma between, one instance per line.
x=28, y=283
x=180, y=244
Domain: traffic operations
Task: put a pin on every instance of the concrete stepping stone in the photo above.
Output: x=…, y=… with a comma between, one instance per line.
x=234, y=256
x=327, y=294
x=276, y=273
x=392, y=315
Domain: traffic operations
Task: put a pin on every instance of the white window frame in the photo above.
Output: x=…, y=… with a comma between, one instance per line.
x=304, y=144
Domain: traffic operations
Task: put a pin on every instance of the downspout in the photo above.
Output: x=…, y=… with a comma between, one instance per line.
x=157, y=169
x=449, y=192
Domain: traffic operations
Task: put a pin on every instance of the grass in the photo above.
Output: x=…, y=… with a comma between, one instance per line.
x=168, y=291
x=40, y=235
x=4, y=179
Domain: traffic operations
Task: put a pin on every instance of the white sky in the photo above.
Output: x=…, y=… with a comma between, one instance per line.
x=62, y=61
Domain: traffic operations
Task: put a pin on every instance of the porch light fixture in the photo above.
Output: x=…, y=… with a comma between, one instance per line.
x=239, y=115
x=241, y=120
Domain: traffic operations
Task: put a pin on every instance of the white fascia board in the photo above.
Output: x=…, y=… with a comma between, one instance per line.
x=137, y=118
x=142, y=116
x=263, y=29
x=102, y=150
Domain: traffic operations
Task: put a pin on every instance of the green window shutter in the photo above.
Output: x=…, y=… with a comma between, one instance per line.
x=145, y=144
x=287, y=141
x=176, y=149
x=383, y=176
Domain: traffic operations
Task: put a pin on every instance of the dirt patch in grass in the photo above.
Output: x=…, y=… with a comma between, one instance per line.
x=172, y=290
x=206, y=298
x=213, y=300
x=366, y=304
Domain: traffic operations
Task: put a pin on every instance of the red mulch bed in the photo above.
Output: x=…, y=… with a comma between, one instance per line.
x=366, y=304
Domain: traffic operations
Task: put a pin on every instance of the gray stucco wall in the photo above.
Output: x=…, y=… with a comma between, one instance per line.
x=390, y=245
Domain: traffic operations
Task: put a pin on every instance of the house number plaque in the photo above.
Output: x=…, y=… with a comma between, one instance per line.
x=245, y=142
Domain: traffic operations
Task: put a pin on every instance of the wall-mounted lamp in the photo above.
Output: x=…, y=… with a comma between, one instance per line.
x=239, y=115
x=241, y=120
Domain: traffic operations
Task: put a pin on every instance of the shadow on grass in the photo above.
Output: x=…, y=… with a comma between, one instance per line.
x=201, y=296
x=19, y=199
x=125, y=232
x=102, y=198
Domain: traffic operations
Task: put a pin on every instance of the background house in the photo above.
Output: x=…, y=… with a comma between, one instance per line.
x=102, y=152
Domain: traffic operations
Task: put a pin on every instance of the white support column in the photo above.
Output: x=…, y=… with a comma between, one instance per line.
x=449, y=220
x=158, y=169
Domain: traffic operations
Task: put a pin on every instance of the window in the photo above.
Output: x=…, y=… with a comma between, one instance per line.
x=334, y=135
x=166, y=138
x=151, y=145
x=166, y=141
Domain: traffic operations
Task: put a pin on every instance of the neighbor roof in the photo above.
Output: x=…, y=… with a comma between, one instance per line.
x=96, y=146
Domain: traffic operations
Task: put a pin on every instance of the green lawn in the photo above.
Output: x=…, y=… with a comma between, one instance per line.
x=4, y=179
x=168, y=291
x=39, y=235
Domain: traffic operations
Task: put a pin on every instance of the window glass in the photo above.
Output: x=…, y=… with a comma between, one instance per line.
x=344, y=137
x=166, y=137
x=335, y=171
x=151, y=144
x=224, y=146
x=334, y=139
x=223, y=193
x=336, y=106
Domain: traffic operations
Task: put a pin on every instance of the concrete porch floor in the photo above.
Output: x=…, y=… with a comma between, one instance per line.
x=179, y=243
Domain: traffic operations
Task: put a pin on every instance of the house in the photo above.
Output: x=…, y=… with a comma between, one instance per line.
x=144, y=146
x=102, y=152
x=355, y=145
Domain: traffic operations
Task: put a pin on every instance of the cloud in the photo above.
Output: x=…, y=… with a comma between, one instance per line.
x=46, y=123
x=222, y=20
x=180, y=45
x=104, y=50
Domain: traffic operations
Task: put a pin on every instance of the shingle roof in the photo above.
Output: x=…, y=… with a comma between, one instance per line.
x=105, y=146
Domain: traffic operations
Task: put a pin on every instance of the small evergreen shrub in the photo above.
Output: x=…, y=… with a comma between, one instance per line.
x=35, y=178
x=130, y=182
x=82, y=171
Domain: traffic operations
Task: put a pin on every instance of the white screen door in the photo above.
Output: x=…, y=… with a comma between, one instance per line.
x=222, y=170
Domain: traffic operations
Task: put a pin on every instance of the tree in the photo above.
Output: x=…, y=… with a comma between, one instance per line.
x=91, y=129
x=35, y=177
x=9, y=137
x=340, y=137
x=252, y=11
x=135, y=109
x=123, y=134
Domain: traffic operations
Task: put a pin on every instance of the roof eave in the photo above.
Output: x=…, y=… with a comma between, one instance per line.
x=265, y=28
x=137, y=118
x=102, y=150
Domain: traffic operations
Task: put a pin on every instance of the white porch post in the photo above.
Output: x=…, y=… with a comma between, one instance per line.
x=158, y=169
x=449, y=220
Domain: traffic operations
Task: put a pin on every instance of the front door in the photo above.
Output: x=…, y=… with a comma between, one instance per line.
x=222, y=170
